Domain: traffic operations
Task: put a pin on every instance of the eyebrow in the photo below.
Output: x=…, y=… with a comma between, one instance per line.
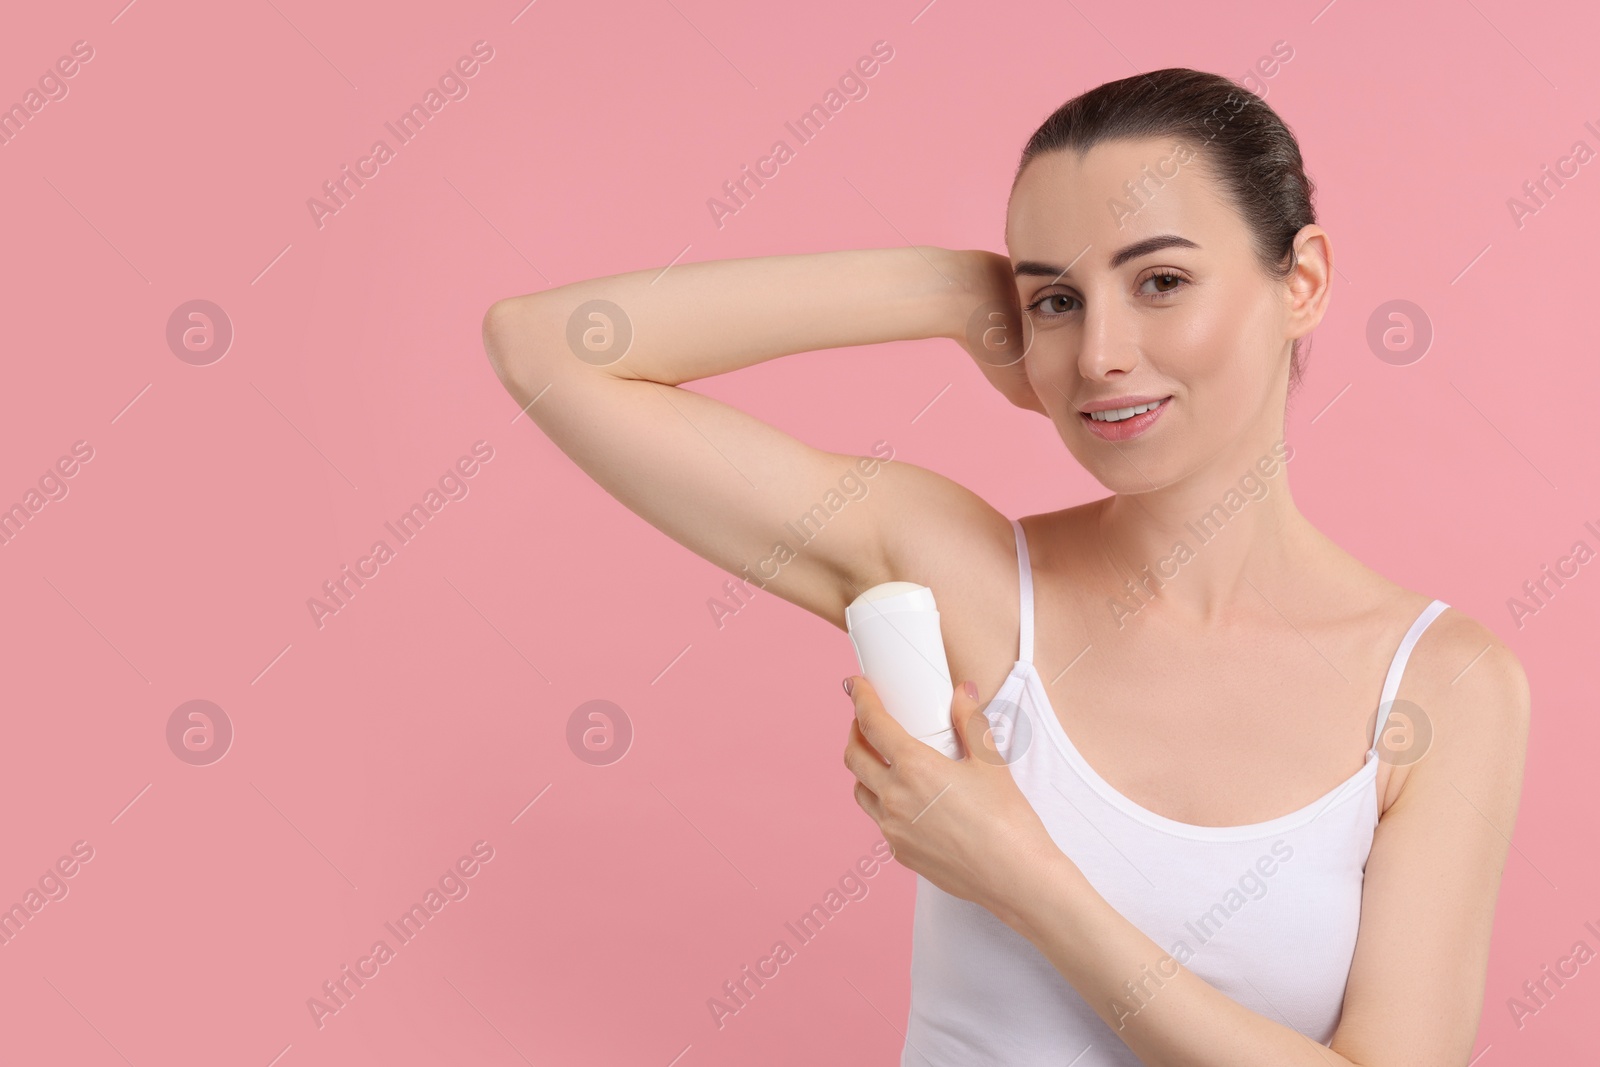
x=1034, y=268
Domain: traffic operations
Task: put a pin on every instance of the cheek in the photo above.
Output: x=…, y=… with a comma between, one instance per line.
x=1202, y=340
x=1221, y=351
x=1048, y=366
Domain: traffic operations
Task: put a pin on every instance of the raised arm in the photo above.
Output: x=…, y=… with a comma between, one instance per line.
x=597, y=365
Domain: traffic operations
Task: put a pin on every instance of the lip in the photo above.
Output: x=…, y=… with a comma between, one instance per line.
x=1127, y=428
x=1119, y=402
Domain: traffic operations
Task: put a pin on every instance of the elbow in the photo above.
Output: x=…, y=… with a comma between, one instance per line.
x=528, y=337
x=510, y=339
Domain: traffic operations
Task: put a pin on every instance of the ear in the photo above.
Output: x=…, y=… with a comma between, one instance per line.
x=1310, y=280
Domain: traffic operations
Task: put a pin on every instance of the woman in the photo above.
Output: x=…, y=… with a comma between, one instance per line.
x=1259, y=811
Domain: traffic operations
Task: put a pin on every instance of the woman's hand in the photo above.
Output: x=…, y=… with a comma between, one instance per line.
x=996, y=334
x=962, y=824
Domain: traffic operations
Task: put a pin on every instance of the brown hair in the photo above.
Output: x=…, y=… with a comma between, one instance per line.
x=1245, y=146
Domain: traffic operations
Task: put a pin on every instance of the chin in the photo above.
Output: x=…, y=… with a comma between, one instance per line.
x=1129, y=467
x=1125, y=481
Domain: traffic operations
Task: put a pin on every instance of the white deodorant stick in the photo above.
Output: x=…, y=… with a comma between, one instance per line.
x=895, y=629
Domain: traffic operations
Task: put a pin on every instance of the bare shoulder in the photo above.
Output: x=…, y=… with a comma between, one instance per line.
x=1474, y=702
x=1468, y=669
x=1458, y=670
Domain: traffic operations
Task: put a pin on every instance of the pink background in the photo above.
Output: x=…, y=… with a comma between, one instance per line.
x=371, y=753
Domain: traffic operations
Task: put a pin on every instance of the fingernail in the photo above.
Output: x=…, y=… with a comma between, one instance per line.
x=971, y=689
x=847, y=687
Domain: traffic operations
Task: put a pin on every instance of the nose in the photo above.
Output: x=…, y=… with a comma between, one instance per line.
x=1108, y=344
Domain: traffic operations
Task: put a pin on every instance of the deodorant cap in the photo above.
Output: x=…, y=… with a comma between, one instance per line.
x=886, y=590
x=890, y=597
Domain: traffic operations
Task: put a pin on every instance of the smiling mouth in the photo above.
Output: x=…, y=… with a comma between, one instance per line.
x=1124, y=424
x=1123, y=414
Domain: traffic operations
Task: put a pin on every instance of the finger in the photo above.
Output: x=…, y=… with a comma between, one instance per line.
x=969, y=720
x=880, y=729
x=869, y=802
x=861, y=761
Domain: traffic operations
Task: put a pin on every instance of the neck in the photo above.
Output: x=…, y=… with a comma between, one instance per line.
x=1207, y=549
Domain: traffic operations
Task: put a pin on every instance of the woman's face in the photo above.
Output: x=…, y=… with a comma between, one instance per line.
x=1196, y=324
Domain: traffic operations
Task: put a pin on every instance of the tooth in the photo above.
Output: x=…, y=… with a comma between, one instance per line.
x=1118, y=414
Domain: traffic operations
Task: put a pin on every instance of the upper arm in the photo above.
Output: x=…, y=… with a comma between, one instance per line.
x=812, y=526
x=1415, y=990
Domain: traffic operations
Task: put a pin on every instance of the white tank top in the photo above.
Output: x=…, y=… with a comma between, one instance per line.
x=1266, y=912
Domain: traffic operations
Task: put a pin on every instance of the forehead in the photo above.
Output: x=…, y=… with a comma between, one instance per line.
x=1118, y=193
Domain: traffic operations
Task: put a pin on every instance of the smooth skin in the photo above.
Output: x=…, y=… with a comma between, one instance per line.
x=1245, y=689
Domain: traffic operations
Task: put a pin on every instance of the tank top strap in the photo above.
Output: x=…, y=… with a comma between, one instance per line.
x=1025, y=600
x=1397, y=666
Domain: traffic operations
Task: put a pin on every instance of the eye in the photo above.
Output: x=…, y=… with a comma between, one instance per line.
x=1172, y=281
x=1045, y=300
x=1166, y=275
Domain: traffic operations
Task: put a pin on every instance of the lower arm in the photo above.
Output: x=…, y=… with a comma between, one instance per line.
x=695, y=320
x=1168, y=1015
